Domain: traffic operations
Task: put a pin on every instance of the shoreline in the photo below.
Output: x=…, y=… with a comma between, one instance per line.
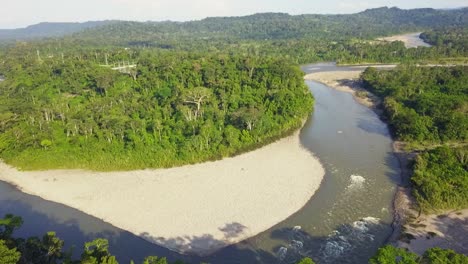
x=227, y=201
x=348, y=81
x=411, y=229
x=411, y=40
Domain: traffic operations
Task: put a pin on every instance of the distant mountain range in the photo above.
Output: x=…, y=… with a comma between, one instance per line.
x=371, y=22
x=49, y=29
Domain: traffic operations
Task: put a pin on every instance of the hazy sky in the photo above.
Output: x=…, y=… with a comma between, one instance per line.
x=20, y=13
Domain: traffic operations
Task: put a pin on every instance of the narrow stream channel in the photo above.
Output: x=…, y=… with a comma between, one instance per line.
x=347, y=219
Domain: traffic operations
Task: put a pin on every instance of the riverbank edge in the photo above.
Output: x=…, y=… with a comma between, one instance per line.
x=407, y=218
x=316, y=182
x=291, y=127
x=403, y=203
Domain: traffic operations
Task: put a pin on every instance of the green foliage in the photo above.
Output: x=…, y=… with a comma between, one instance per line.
x=455, y=38
x=441, y=178
x=155, y=260
x=429, y=106
x=300, y=39
x=423, y=104
x=276, y=26
x=212, y=88
x=53, y=245
x=49, y=249
x=443, y=256
x=46, y=143
x=97, y=252
x=392, y=255
x=8, y=225
x=306, y=261
x=8, y=256
x=179, y=108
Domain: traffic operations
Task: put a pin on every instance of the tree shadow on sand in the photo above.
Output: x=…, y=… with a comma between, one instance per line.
x=201, y=245
x=76, y=228
x=448, y=231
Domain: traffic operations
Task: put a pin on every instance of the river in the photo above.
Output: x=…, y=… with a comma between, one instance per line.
x=411, y=40
x=346, y=220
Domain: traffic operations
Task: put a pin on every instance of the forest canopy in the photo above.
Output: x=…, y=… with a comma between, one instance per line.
x=171, y=109
x=423, y=103
x=441, y=178
x=428, y=107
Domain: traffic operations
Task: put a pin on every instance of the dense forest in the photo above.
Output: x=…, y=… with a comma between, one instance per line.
x=171, y=109
x=454, y=38
x=367, y=24
x=277, y=26
x=428, y=107
x=207, y=89
x=301, y=39
x=441, y=178
x=423, y=104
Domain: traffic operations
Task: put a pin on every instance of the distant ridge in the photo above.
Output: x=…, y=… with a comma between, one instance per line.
x=454, y=8
x=256, y=26
x=50, y=29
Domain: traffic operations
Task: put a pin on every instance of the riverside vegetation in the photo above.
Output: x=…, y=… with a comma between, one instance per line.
x=50, y=250
x=212, y=88
x=428, y=107
x=198, y=91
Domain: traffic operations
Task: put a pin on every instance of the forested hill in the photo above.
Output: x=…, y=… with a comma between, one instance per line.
x=367, y=24
x=48, y=29
x=195, y=91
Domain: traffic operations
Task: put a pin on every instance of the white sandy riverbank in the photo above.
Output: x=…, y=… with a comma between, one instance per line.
x=192, y=209
x=346, y=81
x=411, y=40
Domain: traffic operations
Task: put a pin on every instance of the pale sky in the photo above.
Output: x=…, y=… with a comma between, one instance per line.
x=20, y=13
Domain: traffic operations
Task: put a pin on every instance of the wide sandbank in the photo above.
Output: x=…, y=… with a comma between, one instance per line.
x=348, y=81
x=194, y=209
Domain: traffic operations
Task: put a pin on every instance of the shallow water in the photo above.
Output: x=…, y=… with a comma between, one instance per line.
x=346, y=220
